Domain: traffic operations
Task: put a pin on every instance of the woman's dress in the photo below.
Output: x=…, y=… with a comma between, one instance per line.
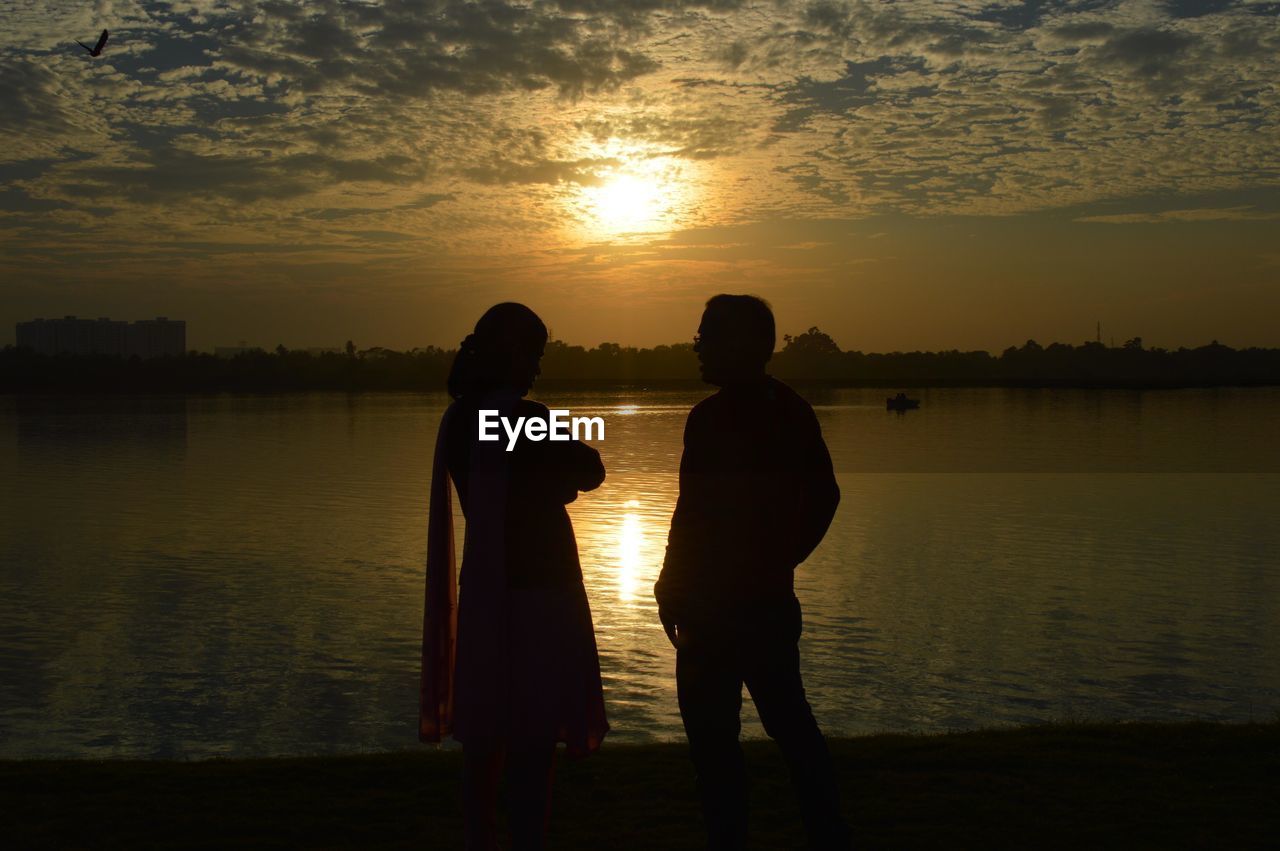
x=512, y=658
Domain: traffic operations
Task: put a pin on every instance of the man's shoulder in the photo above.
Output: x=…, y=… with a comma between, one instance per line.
x=775, y=392
x=704, y=418
x=788, y=398
x=706, y=407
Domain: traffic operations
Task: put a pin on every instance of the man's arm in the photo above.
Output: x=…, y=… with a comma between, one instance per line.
x=671, y=589
x=820, y=494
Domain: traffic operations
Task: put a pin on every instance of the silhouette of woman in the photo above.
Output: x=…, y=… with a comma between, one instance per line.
x=509, y=665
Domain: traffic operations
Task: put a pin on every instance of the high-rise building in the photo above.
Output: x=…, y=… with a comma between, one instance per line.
x=154, y=338
x=74, y=336
x=146, y=338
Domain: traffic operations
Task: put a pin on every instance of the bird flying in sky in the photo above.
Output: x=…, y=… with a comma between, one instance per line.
x=96, y=50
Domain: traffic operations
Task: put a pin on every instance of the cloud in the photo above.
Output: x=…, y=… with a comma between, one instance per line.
x=172, y=175
x=703, y=135
x=411, y=49
x=41, y=115
x=331, y=214
x=581, y=172
x=1217, y=214
x=315, y=116
x=1159, y=58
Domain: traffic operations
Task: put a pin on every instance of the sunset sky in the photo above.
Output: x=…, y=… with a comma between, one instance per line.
x=926, y=174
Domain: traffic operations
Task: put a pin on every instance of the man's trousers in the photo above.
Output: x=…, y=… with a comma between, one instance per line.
x=758, y=647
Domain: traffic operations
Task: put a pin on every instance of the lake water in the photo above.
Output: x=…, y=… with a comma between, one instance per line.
x=185, y=577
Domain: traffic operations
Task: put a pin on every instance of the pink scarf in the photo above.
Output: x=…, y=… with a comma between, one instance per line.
x=539, y=642
x=465, y=669
x=440, y=611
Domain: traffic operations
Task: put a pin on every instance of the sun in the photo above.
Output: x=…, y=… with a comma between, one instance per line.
x=637, y=191
x=626, y=202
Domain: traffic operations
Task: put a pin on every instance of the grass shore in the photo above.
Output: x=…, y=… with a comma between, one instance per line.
x=1060, y=786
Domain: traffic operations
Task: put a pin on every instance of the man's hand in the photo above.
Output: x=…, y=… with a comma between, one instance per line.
x=670, y=627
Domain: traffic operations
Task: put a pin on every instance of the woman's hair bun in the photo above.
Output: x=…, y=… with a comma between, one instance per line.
x=509, y=336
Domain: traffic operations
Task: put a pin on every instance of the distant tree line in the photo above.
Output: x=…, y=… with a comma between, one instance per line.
x=813, y=355
x=809, y=357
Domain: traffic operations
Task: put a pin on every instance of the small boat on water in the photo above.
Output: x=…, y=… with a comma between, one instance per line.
x=900, y=403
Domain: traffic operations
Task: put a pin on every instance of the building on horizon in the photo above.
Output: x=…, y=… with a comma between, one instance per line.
x=157, y=338
x=145, y=338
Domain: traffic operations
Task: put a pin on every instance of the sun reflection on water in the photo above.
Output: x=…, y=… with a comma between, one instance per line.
x=637, y=548
x=630, y=542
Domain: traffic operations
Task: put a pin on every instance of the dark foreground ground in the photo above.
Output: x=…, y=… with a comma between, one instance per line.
x=1073, y=786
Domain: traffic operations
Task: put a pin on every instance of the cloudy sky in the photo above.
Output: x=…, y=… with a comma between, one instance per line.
x=912, y=174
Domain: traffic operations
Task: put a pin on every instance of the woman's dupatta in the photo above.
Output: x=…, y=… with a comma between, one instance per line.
x=440, y=610
x=465, y=667
x=468, y=668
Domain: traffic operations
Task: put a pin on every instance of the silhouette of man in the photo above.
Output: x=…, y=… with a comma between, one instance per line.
x=757, y=493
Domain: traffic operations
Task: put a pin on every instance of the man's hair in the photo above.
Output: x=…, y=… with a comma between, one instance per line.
x=751, y=320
